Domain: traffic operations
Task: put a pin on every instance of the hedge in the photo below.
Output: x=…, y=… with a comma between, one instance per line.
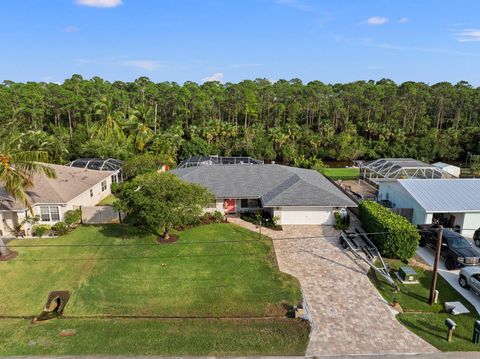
x=399, y=239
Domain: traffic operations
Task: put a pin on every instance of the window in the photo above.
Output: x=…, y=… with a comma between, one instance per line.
x=114, y=178
x=91, y=193
x=45, y=213
x=104, y=185
x=250, y=203
x=54, y=214
x=49, y=213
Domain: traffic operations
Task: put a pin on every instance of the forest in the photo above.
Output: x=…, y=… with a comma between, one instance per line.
x=287, y=121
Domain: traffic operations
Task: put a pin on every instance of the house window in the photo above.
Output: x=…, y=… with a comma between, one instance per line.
x=49, y=213
x=91, y=193
x=250, y=203
x=104, y=185
x=45, y=213
x=114, y=178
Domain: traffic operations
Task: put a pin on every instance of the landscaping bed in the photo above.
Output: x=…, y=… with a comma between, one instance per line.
x=428, y=321
x=267, y=220
x=216, y=271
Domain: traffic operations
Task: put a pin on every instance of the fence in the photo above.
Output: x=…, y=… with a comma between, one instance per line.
x=404, y=212
x=100, y=215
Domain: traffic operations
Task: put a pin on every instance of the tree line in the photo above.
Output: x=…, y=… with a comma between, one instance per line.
x=286, y=121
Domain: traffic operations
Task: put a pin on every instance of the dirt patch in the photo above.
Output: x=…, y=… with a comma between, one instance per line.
x=12, y=255
x=173, y=238
x=419, y=262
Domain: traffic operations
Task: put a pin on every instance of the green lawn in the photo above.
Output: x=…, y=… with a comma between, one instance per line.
x=428, y=321
x=108, y=201
x=341, y=173
x=218, y=270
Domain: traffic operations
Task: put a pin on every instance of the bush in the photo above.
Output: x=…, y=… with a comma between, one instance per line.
x=72, y=218
x=60, y=228
x=40, y=230
x=341, y=222
x=398, y=239
x=115, y=187
x=267, y=220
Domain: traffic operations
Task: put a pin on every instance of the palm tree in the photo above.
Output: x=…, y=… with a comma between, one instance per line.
x=17, y=168
x=109, y=127
x=140, y=131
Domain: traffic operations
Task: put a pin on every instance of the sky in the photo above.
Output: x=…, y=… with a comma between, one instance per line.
x=233, y=40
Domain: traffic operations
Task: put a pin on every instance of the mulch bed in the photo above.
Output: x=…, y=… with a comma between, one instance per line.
x=12, y=255
x=173, y=238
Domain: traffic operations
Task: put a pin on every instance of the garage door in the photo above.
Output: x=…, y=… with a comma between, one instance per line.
x=307, y=215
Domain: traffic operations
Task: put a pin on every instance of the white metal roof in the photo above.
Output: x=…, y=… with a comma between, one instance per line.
x=445, y=195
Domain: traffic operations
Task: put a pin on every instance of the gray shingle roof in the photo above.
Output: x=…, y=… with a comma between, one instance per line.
x=275, y=185
x=445, y=195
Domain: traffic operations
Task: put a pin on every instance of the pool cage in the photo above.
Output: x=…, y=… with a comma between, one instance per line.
x=399, y=168
x=100, y=164
x=196, y=161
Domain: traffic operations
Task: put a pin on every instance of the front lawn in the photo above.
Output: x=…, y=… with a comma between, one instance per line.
x=219, y=270
x=428, y=321
x=350, y=173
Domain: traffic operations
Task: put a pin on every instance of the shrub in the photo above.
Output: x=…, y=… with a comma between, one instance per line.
x=60, y=228
x=398, y=239
x=341, y=222
x=115, y=187
x=40, y=230
x=72, y=218
x=267, y=220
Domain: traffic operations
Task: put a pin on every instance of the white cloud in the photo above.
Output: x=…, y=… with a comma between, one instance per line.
x=218, y=76
x=469, y=35
x=147, y=65
x=99, y=3
x=295, y=4
x=71, y=28
x=403, y=20
x=377, y=20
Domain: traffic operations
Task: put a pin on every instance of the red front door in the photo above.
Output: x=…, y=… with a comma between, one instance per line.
x=230, y=205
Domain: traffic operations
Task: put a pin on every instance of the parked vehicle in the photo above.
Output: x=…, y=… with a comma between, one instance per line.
x=476, y=237
x=470, y=278
x=456, y=250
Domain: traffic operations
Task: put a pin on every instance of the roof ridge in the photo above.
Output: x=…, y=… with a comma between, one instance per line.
x=276, y=191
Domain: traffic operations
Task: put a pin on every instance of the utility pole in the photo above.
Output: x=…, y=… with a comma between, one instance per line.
x=438, y=249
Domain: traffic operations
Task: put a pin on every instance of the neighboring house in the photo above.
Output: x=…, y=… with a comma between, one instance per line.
x=50, y=198
x=294, y=195
x=454, y=202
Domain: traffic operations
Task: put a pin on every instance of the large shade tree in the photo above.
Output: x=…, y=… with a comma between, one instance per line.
x=162, y=201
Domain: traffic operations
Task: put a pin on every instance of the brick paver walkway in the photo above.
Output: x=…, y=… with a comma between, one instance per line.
x=349, y=316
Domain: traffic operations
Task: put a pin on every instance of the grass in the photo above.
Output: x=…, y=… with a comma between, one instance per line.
x=428, y=321
x=341, y=173
x=153, y=337
x=108, y=201
x=219, y=270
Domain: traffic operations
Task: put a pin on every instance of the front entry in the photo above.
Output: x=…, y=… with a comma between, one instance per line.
x=230, y=206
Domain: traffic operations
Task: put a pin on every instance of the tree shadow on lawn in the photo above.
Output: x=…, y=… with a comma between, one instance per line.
x=125, y=231
x=427, y=327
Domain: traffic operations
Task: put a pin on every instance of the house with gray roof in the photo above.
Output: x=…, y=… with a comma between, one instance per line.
x=294, y=195
x=50, y=198
x=451, y=202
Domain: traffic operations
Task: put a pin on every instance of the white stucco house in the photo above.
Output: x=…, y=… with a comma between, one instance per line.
x=294, y=195
x=455, y=202
x=50, y=198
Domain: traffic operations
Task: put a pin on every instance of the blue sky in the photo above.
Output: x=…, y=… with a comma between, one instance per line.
x=231, y=40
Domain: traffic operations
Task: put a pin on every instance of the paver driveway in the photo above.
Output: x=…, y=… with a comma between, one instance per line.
x=349, y=316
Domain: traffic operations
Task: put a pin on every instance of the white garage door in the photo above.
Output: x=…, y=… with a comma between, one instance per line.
x=307, y=215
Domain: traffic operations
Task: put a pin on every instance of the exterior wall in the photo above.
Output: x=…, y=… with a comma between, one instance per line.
x=400, y=198
x=471, y=222
x=217, y=207
x=305, y=215
x=8, y=220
